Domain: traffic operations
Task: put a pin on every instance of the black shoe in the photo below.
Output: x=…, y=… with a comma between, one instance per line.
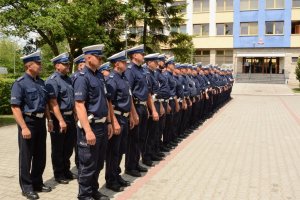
x=160, y=154
x=30, y=195
x=172, y=143
x=99, y=196
x=156, y=158
x=123, y=182
x=141, y=169
x=134, y=173
x=69, y=175
x=169, y=146
x=149, y=163
x=62, y=181
x=116, y=187
x=42, y=188
x=165, y=149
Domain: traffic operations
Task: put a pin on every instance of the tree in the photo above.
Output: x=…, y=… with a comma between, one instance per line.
x=10, y=53
x=297, y=70
x=78, y=23
x=157, y=18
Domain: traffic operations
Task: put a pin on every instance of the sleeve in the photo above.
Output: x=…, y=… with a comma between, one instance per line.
x=111, y=89
x=51, y=88
x=130, y=78
x=16, y=94
x=80, y=89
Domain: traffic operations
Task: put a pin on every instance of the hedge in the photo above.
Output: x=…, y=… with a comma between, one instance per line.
x=5, y=89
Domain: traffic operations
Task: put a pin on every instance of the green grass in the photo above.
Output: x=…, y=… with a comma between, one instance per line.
x=6, y=120
x=296, y=90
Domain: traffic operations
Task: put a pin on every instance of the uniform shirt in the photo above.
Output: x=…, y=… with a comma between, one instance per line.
x=89, y=86
x=74, y=75
x=202, y=82
x=153, y=84
x=185, y=85
x=59, y=86
x=207, y=82
x=171, y=82
x=164, y=89
x=192, y=86
x=179, y=86
x=197, y=84
x=30, y=94
x=136, y=77
x=118, y=91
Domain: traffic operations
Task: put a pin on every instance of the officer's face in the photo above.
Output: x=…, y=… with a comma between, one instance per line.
x=80, y=66
x=94, y=61
x=161, y=64
x=177, y=71
x=138, y=57
x=63, y=68
x=35, y=68
x=171, y=67
x=121, y=66
x=152, y=64
x=183, y=71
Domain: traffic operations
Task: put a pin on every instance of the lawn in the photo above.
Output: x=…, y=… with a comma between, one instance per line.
x=296, y=90
x=6, y=120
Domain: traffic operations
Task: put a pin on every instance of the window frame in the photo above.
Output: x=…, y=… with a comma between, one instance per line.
x=274, y=28
x=201, y=30
x=295, y=6
x=275, y=5
x=224, y=31
x=249, y=6
x=201, y=7
x=225, y=6
x=249, y=28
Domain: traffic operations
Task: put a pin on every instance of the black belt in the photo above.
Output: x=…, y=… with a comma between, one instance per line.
x=38, y=115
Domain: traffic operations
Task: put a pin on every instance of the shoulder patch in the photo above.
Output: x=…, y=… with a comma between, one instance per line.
x=129, y=66
x=81, y=73
x=20, y=78
x=111, y=75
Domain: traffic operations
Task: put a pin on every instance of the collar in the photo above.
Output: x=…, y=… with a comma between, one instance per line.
x=88, y=70
x=30, y=77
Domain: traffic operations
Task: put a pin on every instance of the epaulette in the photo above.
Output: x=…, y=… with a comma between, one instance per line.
x=53, y=76
x=20, y=78
x=81, y=73
x=111, y=75
x=129, y=66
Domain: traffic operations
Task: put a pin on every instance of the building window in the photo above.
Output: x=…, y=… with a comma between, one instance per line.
x=294, y=59
x=248, y=4
x=274, y=28
x=200, y=6
x=296, y=27
x=137, y=31
x=225, y=29
x=180, y=29
x=274, y=4
x=249, y=28
x=180, y=3
x=224, y=5
x=201, y=29
x=202, y=56
x=296, y=3
x=224, y=57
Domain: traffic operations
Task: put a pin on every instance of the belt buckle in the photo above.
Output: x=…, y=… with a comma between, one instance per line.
x=126, y=114
x=39, y=115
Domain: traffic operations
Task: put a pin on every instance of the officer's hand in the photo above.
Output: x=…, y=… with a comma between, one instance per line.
x=155, y=116
x=117, y=128
x=169, y=109
x=162, y=111
x=63, y=126
x=136, y=120
x=26, y=133
x=131, y=122
x=110, y=131
x=50, y=126
x=90, y=138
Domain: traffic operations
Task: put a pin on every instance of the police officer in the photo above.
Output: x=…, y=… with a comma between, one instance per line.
x=29, y=107
x=60, y=90
x=136, y=76
x=79, y=64
x=120, y=95
x=94, y=127
x=105, y=70
x=149, y=153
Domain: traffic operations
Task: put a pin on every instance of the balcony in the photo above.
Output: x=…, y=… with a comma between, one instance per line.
x=224, y=17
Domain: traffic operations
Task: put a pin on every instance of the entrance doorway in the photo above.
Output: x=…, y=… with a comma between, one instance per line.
x=263, y=65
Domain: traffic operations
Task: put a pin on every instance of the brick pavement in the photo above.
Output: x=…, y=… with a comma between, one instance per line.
x=248, y=150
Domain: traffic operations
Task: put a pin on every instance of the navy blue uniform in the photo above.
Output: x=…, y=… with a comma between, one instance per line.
x=89, y=87
x=119, y=93
x=30, y=95
x=136, y=77
x=169, y=128
x=153, y=126
x=180, y=97
x=59, y=86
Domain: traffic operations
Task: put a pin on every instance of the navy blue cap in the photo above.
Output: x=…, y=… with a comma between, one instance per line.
x=61, y=58
x=136, y=49
x=170, y=60
x=94, y=50
x=150, y=57
x=104, y=66
x=121, y=56
x=162, y=57
x=79, y=59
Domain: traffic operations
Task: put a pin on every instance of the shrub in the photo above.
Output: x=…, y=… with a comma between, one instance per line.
x=297, y=70
x=5, y=89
